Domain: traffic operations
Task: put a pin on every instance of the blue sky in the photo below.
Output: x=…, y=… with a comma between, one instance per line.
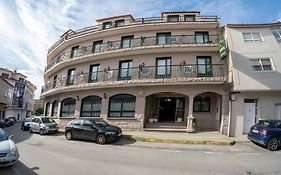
x=29, y=27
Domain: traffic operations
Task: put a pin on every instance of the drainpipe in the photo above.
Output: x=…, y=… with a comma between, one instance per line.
x=229, y=116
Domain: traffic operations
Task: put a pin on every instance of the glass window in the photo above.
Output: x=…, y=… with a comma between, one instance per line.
x=55, y=81
x=76, y=122
x=55, y=109
x=126, y=41
x=173, y=18
x=68, y=107
x=47, y=111
x=70, y=77
x=163, y=38
x=201, y=37
x=261, y=64
x=163, y=67
x=277, y=34
x=97, y=46
x=201, y=104
x=106, y=25
x=119, y=23
x=125, y=70
x=87, y=123
x=252, y=36
x=204, y=66
x=189, y=18
x=94, y=73
x=122, y=106
x=91, y=106
x=74, y=51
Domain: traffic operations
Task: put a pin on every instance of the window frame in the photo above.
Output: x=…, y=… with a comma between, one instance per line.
x=128, y=69
x=55, y=81
x=73, y=52
x=122, y=98
x=97, y=43
x=55, y=105
x=124, y=38
x=168, y=72
x=47, y=110
x=252, y=37
x=167, y=36
x=67, y=111
x=201, y=99
x=278, y=31
x=208, y=73
x=261, y=65
x=169, y=17
x=205, y=35
x=70, y=78
x=109, y=23
x=97, y=72
x=193, y=18
x=91, y=100
x=118, y=22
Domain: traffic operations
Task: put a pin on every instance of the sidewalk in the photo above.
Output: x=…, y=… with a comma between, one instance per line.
x=211, y=138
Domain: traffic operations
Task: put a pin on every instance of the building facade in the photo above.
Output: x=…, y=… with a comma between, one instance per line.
x=141, y=74
x=255, y=74
x=21, y=94
x=6, y=96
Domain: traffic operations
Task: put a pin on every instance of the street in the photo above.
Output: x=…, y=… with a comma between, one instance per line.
x=53, y=154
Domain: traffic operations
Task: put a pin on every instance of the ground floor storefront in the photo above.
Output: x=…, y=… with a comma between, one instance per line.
x=247, y=108
x=182, y=107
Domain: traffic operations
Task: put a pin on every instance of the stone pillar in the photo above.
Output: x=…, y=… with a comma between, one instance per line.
x=59, y=108
x=104, y=108
x=50, y=109
x=140, y=110
x=224, y=114
x=189, y=127
x=45, y=105
x=77, y=108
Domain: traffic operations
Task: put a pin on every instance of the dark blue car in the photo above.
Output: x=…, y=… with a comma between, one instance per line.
x=267, y=133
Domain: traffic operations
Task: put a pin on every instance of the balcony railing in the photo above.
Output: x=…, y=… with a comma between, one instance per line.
x=136, y=21
x=136, y=42
x=183, y=73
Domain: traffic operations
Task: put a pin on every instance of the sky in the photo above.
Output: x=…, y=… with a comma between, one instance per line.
x=28, y=28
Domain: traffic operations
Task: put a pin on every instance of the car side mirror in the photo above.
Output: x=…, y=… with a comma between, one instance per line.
x=11, y=136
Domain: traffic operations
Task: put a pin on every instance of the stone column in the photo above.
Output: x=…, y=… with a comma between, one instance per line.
x=77, y=108
x=224, y=114
x=140, y=110
x=59, y=108
x=190, y=117
x=104, y=107
x=45, y=105
x=50, y=109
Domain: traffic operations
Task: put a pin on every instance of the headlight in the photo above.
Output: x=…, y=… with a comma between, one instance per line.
x=111, y=133
x=47, y=127
x=14, y=151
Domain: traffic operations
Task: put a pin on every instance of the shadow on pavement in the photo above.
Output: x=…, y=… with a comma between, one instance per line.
x=18, y=169
x=19, y=135
x=124, y=141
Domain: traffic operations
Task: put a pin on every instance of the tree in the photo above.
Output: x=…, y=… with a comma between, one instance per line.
x=38, y=111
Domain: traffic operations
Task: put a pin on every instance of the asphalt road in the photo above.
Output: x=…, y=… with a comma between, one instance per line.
x=53, y=154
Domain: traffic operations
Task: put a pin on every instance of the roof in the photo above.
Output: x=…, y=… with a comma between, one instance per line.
x=6, y=81
x=253, y=25
x=181, y=12
x=120, y=16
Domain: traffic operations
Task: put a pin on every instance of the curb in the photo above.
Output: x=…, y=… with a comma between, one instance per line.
x=201, y=142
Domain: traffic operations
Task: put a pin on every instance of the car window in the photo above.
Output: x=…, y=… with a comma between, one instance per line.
x=100, y=123
x=264, y=124
x=76, y=122
x=87, y=123
x=47, y=120
x=3, y=136
x=278, y=125
x=33, y=120
x=28, y=119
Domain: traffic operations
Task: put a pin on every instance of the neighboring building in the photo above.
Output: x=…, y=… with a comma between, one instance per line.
x=22, y=92
x=129, y=70
x=6, y=96
x=255, y=74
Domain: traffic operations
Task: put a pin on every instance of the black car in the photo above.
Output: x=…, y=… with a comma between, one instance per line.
x=8, y=122
x=92, y=129
x=2, y=123
x=25, y=124
x=13, y=119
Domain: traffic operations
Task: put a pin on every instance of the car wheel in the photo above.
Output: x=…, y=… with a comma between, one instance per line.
x=273, y=144
x=30, y=130
x=68, y=135
x=41, y=132
x=100, y=139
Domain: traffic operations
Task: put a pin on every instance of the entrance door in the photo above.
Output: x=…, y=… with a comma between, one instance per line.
x=249, y=115
x=167, y=109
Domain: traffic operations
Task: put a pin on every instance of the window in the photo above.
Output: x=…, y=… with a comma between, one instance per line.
x=252, y=37
x=106, y=25
x=94, y=73
x=201, y=104
x=163, y=67
x=55, y=81
x=76, y=122
x=277, y=34
x=126, y=41
x=47, y=110
x=4, y=75
x=204, y=66
x=97, y=46
x=74, y=51
x=68, y=107
x=202, y=37
x=55, y=109
x=261, y=64
x=87, y=123
x=122, y=105
x=70, y=77
x=163, y=38
x=125, y=70
x=189, y=18
x=173, y=18
x=119, y=23
x=91, y=106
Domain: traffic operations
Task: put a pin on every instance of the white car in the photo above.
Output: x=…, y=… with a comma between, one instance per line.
x=8, y=150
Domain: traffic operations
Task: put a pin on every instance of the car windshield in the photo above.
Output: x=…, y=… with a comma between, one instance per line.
x=264, y=124
x=3, y=136
x=47, y=120
x=100, y=122
x=28, y=119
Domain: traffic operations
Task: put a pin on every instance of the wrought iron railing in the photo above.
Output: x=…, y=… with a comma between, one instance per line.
x=136, y=21
x=144, y=74
x=135, y=42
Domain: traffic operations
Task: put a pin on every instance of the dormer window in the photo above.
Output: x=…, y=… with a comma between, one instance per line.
x=189, y=18
x=106, y=25
x=173, y=18
x=119, y=23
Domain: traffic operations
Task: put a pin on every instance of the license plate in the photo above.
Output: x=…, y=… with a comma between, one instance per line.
x=255, y=131
x=2, y=160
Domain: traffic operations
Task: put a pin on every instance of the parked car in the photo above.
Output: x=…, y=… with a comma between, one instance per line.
x=43, y=125
x=2, y=123
x=267, y=133
x=13, y=119
x=8, y=150
x=25, y=124
x=92, y=129
x=8, y=122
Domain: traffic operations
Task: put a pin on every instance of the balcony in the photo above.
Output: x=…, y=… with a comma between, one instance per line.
x=136, y=43
x=142, y=75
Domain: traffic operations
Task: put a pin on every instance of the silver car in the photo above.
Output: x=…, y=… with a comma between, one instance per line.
x=8, y=150
x=43, y=125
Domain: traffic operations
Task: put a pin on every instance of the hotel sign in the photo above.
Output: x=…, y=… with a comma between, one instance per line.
x=223, y=49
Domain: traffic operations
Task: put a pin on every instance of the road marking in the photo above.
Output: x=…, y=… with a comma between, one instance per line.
x=208, y=152
x=168, y=150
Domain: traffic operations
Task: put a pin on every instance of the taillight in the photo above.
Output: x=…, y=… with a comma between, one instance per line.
x=264, y=132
